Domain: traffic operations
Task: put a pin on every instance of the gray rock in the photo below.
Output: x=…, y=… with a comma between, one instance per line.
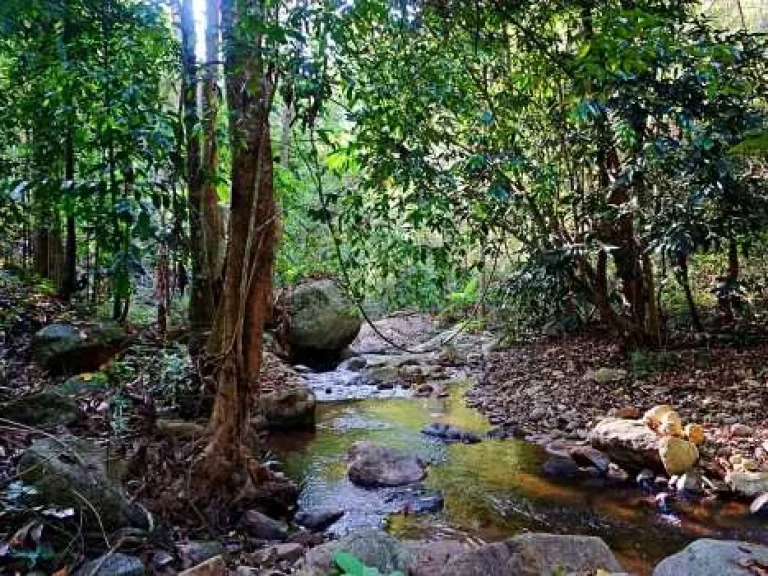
x=319, y=519
x=690, y=483
x=629, y=443
x=374, y=548
x=607, y=375
x=418, y=500
x=535, y=555
x=321, y=318
x=707, y=557
x=262, y=526
x=196, y=552
x=288, y=408
x=62, y=348
x=372, y=465
x=354, y=364
x=561, y=469
x=116, y=564
x=215, y=566
x=67, y=471
x=429, y=558
x=749, y=484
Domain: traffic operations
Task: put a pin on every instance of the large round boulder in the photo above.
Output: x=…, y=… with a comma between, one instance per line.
x=372, y=465
x=321, y=320
x=708, y=557
x=374, y=548
x=63, y=348
x=536, y=555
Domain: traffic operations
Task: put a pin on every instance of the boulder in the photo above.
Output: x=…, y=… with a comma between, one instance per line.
x=448, y=433
x=535, y=555
x=429, y=558
x=321, y=319
x=374, y=548
x=372, y=465
x=561, y=469
x=677, y=455
x=319, y=519
x=63, y=348
x=116, y=564
x=749, y=484
x=45, y=409
x=708, y=557
x=263, y=527
x=628, y=443
x=289, y=408
x=68, y=472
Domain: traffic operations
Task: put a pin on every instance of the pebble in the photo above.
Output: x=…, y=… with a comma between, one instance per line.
x=741, y=430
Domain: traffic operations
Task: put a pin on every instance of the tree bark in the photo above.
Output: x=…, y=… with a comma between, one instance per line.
x=685, y=283
x=69, y=282
x=227, y=466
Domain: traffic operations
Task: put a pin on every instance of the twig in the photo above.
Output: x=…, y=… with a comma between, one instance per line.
x=98, y=518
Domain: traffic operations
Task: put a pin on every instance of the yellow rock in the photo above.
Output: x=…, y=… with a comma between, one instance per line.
x=677, y=455
x=653, y=417
x=695, y=433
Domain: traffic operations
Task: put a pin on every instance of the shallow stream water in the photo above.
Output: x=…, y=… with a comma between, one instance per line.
x=492, y=490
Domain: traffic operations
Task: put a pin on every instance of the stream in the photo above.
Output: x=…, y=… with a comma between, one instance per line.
x=492, y=490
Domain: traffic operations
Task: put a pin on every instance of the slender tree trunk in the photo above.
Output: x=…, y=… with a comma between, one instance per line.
x=213, y=224
x=685, y=283
x=69, y=284
x=201, y=303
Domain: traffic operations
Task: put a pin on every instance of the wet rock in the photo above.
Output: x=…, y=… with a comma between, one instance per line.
x=588, y=456
x=372, y=465
x=449, y=433
x=196, y=552
x=63, y=348
x=289, y=552
x=707, y=557
x=212, y=567
x=535, y=555
x=319, y=519
x=663, y=502
x=505, y=432
x=354, y=364
x=759, y=506
x=645, y=479
x=561, y=469
x=322, y=319
x=629, y=443
x=59, y=468
x=749, y=484
x=374, y=548
x=677, y=455
x=429, y=558
x=116, y=564
x=262, y=526
x=418, y=501
x=289, y=408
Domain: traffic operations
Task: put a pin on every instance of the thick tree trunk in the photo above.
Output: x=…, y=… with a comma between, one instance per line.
x=227, y=468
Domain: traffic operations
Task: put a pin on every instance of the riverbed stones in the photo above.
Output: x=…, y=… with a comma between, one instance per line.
x=677, y=455
x=535, y=555
x=749, y=484
x=373, y=465
x=68, y=472
x=322, y=319
x=708, y=557
x=628, y=443
x=374, y=548
x=290, y=408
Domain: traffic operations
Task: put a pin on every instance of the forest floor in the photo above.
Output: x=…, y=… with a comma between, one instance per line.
x=560, y=388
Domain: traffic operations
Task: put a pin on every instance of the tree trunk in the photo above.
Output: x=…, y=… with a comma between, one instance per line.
x=213, y=225
x=69, y=283
x=685, y=283
x=227, y=467
x=201, y=303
